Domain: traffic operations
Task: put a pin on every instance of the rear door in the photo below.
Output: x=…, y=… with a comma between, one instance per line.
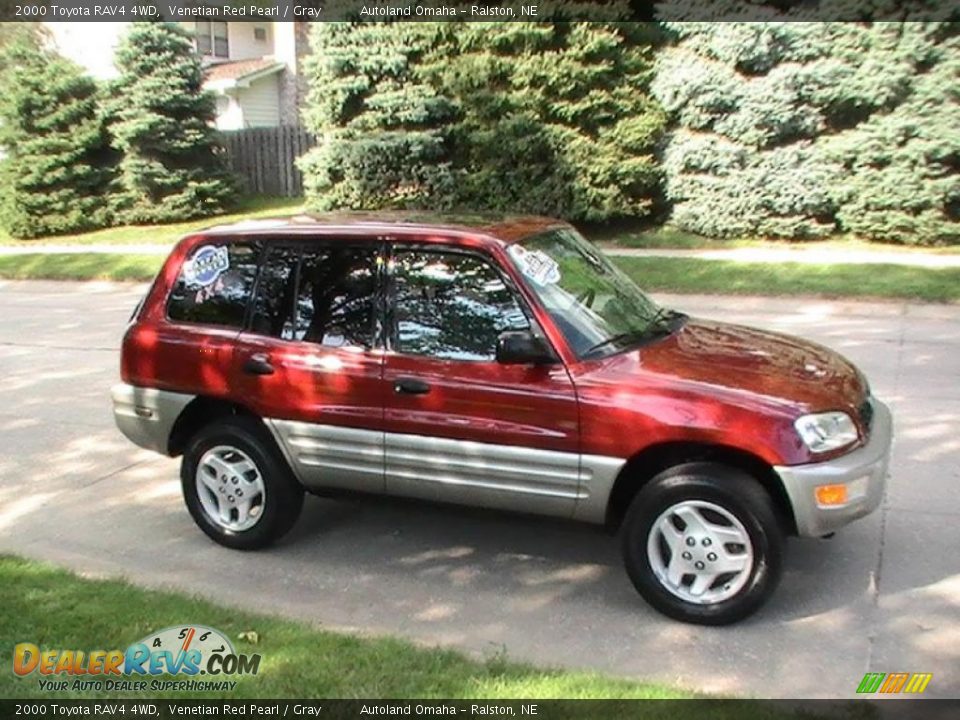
x=461, y=427
x=310, y=363
x=187, y=344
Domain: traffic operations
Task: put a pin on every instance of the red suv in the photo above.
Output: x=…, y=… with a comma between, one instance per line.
x=496, y=363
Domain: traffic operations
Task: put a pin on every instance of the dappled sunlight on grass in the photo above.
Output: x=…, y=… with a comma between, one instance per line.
x=631, y=234
x=79, y=266
x=57, y=609
x=256, y=207
x=686, y=275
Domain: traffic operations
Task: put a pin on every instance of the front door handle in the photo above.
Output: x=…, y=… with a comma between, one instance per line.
x=411, y=386
x=258, y=365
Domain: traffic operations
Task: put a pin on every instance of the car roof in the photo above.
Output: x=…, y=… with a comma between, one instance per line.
x=504, y=228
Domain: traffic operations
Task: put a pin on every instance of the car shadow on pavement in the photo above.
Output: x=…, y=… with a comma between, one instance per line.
x=534, y=560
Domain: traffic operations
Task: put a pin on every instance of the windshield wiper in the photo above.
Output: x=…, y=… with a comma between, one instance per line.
x=655, y=328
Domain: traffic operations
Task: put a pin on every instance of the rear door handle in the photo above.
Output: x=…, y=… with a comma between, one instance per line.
x=411, y=386
x=258, y=365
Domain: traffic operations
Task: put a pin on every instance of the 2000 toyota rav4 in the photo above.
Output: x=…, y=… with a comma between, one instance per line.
x=503, y=364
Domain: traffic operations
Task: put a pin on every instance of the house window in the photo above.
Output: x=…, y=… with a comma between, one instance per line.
x=211, y=38
x=259, y=33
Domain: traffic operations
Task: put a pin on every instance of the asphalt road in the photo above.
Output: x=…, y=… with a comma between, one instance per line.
x=883, y=595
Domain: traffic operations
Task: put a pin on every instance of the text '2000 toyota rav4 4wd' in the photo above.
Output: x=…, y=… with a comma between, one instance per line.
x=496, y=363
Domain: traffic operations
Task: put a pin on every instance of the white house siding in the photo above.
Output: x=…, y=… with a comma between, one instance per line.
x=243, y=44
x=241, y=41
x=92, y=44
x=261, y=102
x=265, y=103
x=229, y=113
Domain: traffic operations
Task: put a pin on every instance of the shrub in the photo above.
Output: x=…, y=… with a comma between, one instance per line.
x=798, y=130
x=555, y=118
x=379, y=126
x=547, y=117
x=173, y=166
x=900, y=181
x=57, y=166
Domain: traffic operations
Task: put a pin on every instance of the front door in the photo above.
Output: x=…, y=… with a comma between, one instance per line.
x=461, y=427
x=309, y=363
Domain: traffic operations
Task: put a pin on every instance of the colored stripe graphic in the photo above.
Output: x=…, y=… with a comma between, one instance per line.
x=891, y=683
x=871, y=682
x=918, y=682
x=894, y=682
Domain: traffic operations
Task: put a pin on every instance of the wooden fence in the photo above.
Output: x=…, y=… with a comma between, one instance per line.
x=265, y=158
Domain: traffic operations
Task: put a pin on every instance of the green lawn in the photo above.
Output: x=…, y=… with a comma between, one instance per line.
x=678, y=275
x=256, y=207
x=58, y=610
x=79, y=266
x=723, y=277
x=626, y=234
x=631, y=235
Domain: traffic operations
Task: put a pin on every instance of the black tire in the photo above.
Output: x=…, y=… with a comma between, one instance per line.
x=736, y=493
x=283, y=496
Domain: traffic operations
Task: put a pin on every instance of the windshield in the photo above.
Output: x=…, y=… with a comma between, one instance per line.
x=598, y=308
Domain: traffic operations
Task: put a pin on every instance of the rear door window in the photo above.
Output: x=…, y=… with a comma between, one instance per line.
x=215, y=285
x=273, y=311
x=336, y=296
x=321, y=294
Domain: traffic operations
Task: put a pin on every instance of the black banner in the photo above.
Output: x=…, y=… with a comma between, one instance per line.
x=534, y=709
x=478, y=10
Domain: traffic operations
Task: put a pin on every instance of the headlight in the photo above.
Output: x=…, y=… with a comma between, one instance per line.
x=826, y=431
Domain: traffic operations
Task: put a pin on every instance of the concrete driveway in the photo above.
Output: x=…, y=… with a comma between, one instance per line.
x=883, y=595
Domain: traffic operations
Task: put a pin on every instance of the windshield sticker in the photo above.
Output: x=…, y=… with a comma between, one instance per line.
x=536, y=265
x=206, y=266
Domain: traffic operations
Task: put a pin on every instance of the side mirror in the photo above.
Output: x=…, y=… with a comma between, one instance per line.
x=522, y=347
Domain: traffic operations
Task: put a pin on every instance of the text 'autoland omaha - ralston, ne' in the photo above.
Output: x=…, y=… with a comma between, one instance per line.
x=399, y=10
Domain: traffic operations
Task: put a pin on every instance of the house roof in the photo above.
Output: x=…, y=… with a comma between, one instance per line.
x=239, y=73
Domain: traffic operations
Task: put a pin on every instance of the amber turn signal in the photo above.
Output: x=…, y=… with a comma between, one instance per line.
x=831, y=495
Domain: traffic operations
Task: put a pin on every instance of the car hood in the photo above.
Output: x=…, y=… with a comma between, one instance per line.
x=779, y=368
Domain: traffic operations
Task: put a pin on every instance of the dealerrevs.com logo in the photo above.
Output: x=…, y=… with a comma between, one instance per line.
x=183, y=650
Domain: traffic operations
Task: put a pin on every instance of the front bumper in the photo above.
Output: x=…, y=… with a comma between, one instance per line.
x=863, y=471
x=146, y=415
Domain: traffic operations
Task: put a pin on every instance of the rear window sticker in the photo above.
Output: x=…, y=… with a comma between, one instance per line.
x=206, y=266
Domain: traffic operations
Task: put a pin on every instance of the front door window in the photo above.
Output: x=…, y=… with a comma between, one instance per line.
x=451, y=306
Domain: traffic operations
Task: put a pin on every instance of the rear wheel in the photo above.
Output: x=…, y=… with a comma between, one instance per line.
x=237, y=486
x=702, y=543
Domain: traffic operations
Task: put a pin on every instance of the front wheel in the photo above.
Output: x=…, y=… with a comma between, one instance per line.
x=237, y=486
x=702, y=544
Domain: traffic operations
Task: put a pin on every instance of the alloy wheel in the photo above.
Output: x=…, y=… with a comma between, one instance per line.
x=230, y=488
x=700, y=552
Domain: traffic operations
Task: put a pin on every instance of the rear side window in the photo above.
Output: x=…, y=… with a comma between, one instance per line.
x=335, y=297
x=215, y=285
x=318, y=294
x=273, y=311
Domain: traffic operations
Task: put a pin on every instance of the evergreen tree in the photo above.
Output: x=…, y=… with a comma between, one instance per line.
x=554, y=117
x=799, y=130
x=57, y=165
x=901, y=165
x=548, y=117
x=741, y=157
x=380, y=128
x=173, y=166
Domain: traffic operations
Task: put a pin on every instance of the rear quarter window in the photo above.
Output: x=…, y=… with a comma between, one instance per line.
x=215, y=285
